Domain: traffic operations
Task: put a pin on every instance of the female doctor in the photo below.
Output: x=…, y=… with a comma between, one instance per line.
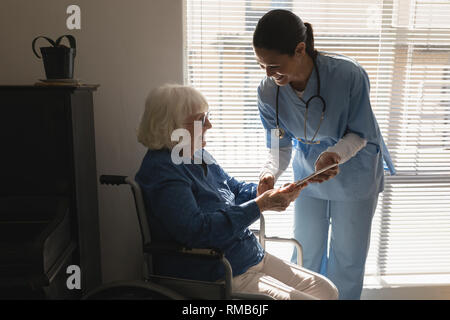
x=318, y=104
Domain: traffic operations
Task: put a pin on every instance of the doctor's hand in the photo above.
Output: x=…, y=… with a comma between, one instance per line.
x=265, y=183
x=326, y=159
x=279, y=199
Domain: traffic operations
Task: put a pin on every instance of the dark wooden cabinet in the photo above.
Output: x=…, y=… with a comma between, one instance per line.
x=47, y=170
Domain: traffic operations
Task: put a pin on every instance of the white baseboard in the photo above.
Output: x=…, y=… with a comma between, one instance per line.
x=426, y=292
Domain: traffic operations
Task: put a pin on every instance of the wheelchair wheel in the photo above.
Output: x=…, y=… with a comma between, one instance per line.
x=132, y=291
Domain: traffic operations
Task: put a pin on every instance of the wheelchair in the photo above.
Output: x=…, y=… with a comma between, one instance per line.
x=156, y=287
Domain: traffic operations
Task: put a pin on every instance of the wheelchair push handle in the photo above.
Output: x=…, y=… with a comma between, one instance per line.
x=112, y=179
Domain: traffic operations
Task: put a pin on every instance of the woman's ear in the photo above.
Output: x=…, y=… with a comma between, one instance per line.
x=300, y=50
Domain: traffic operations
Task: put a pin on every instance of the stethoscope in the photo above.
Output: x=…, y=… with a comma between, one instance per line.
x=280, y=131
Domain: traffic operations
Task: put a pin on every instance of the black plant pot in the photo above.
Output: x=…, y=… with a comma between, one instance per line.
x=58, y=62
x=58, y=59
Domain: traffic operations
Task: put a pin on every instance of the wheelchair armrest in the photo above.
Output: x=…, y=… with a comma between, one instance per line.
x=112, y=179
x=206, y=254
x=292, y=241
x=255, y=232
x=178, y=250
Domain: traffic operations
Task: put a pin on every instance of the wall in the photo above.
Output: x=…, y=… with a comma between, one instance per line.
x=128, y=47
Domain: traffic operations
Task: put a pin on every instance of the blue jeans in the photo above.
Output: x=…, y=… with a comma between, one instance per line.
x=344, y=261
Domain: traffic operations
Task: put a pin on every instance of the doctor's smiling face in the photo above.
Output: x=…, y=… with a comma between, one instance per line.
x=285, y=68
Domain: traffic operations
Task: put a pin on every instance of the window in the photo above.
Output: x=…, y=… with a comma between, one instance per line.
x=405, y=48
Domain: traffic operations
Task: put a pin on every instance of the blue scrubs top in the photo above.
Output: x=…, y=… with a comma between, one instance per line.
x=199, y=210
x=345, y=88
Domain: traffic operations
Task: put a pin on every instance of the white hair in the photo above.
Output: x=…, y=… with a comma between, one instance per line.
x=166, y=108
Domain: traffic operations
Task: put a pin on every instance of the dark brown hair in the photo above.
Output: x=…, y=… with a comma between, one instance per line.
x=282, y=30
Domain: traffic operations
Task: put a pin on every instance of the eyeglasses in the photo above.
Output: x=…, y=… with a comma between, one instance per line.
x=206, y=115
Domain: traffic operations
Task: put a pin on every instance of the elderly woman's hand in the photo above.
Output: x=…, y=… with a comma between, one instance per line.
x=265, y=183
x=279, y=199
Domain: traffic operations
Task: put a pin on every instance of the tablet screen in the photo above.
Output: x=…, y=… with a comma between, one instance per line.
x=315, y=174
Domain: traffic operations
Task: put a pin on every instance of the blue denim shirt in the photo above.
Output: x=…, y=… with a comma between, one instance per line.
x=199, y=209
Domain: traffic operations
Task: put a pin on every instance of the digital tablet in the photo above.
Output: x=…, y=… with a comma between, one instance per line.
x=315, y=174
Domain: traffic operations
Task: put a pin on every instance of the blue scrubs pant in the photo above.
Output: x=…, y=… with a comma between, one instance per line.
x=344, y=261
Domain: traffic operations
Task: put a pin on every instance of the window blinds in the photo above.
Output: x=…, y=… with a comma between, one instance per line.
x=404, y=45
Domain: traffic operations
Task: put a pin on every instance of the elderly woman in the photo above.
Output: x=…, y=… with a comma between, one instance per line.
x=197, y=204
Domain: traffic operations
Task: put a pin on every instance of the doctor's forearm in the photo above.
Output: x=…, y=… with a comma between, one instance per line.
x=348, y=146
